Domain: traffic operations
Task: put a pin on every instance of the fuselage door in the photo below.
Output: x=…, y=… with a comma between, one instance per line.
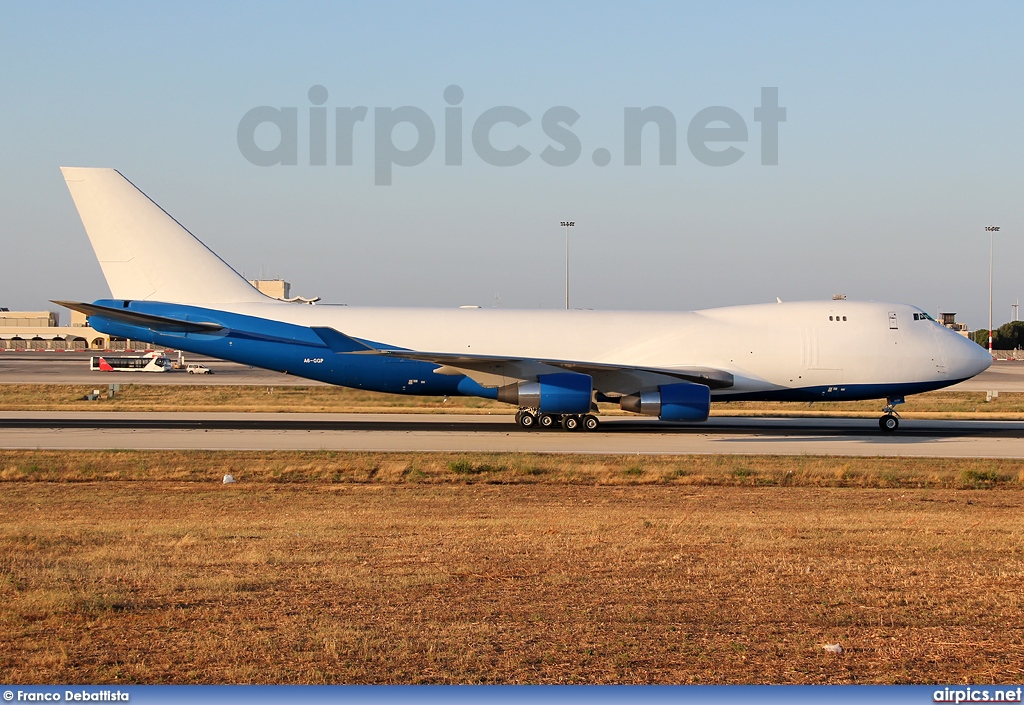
x=809, y=348
x=892, y=321
x=940, y=358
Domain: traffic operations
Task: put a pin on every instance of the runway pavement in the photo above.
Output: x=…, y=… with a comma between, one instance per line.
x=421, y=432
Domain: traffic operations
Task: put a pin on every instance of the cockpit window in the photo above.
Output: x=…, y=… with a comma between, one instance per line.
x=923, y=317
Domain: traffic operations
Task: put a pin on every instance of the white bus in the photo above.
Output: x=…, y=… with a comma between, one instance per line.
x=150, y=362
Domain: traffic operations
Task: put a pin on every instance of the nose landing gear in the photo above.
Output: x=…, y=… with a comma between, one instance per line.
x=889, y=423
x=890, y=420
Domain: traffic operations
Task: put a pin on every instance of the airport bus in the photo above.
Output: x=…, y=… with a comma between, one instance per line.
x=150, y=362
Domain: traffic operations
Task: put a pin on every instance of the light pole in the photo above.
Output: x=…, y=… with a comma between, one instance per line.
x=567, y=224
x=991, y=230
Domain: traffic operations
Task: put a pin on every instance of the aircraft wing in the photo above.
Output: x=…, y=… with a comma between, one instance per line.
x=491, y=370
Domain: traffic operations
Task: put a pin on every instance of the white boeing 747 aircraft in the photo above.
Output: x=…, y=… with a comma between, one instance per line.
x=167, y=288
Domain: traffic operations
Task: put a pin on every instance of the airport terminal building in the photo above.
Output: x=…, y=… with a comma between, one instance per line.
x=41, y=330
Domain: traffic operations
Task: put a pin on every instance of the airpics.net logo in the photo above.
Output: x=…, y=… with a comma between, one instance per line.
x=711, y=134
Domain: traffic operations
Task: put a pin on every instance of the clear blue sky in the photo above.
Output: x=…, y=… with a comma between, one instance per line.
x=903, y=139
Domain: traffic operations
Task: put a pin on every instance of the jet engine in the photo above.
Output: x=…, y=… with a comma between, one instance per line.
x=671, y=402
x=556, y=393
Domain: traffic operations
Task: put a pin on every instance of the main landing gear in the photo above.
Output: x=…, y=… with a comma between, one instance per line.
x=528, y=418
x=890, y=420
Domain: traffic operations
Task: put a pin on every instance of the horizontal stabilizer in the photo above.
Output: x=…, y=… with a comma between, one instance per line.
x=147, y=320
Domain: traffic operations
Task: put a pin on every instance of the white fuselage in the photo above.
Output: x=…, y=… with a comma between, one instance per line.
x=766, y=346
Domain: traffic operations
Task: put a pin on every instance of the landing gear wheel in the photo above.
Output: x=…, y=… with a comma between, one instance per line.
x=527, y=419
x=571, y=423
x=890, y=420
x=888, y=423
x=546, y=421
x=590, y=422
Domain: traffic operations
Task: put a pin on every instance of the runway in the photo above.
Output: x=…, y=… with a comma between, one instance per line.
x=498, y=433
x=44, y=367
x=53, y=367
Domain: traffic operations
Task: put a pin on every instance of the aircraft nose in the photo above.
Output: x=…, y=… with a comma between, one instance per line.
x=965, y=358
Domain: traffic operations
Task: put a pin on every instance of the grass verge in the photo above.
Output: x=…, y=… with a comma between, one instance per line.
x=351, y=467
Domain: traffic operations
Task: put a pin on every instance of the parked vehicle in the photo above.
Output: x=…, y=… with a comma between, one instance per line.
x=150, y=362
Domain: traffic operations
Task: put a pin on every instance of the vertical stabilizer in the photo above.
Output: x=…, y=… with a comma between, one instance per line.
x=145, y=253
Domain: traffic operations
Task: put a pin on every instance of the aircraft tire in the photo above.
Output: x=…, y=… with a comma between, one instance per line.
x=572, y=422
x=527, y=419
x=590, y=422
x=546, y=421
x=888, y=423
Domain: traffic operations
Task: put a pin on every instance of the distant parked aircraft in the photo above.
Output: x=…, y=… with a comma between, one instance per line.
x=169, y=289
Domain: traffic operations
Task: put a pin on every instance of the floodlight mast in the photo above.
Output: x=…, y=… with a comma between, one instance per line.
x=991, y=230
x=567, y=224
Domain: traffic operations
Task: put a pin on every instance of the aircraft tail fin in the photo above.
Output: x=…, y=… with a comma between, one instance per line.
x=146, y=254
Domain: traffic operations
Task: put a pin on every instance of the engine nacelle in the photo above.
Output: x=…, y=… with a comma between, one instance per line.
x=672, y=402
x=556, y=393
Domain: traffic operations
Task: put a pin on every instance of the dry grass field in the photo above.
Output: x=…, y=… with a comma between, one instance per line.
x=406, y=568
x=353, y=467
x=203, y=398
